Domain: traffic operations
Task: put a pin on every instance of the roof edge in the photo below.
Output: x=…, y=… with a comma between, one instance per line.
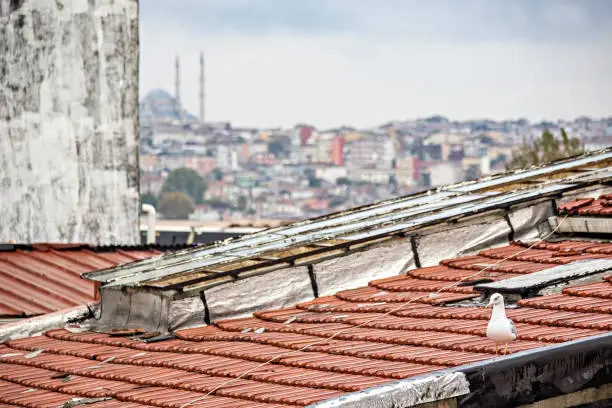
x=404, y=393
x=539, y=354
x=58, y=246
x=456, y=381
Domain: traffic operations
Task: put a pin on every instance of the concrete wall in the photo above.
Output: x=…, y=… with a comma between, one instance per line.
x=69, y=121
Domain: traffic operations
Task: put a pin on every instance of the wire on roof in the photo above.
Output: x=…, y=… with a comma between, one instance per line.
x=401, y=306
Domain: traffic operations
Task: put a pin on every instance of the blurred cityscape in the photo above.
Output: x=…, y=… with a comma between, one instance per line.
x=305, y=171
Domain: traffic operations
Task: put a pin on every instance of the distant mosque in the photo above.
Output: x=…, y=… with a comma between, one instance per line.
x=159, y=106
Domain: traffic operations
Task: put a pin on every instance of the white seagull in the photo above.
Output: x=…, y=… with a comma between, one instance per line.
x=500, y=329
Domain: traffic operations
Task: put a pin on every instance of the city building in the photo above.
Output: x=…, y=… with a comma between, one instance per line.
x=381, y=305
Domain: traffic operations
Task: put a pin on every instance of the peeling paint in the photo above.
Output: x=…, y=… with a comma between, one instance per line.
x=69, y=121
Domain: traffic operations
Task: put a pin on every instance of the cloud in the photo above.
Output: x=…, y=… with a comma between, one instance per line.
x=472, y=20
x=333, y=62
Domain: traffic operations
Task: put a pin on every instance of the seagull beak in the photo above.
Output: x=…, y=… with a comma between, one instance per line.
x=490, y=303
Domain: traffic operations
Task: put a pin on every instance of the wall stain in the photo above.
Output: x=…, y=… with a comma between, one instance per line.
x=15, y=5
x=69, y=121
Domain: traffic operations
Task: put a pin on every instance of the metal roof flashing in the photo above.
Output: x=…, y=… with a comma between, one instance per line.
x=505, y=381
x=404, y=393
x=313, y=258
x=231, y=295
x=203, y=262
x=371, y=222
x=35, y=326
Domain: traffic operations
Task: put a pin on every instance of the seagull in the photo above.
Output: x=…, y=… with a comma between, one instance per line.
x=500, y=329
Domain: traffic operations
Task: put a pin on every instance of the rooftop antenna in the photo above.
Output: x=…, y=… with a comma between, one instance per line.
x=202, y=118
x=177, y=90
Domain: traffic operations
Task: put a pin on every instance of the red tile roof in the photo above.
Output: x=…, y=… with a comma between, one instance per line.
x=601, y=206
x=368, y=347
x=43, y=278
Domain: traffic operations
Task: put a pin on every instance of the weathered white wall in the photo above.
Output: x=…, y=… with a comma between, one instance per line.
x=69, y=121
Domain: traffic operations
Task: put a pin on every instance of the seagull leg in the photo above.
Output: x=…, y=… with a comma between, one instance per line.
x=495, y=348
x=506, y=350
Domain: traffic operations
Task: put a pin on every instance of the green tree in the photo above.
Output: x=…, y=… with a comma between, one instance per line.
x=418, y=148
x=276, y=148
x=343, y=181
x=176, y=205
x=148, y=198
x=218, y=204
x=544, y=150
x=337, y=202
x=218, y=174
x=314, y=182
x=484, y=139
x=185, y=180
x=242, y=203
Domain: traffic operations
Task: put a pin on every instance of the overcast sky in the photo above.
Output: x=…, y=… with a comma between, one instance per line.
x=366, y=62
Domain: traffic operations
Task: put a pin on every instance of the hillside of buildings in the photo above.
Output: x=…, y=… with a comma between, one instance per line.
x=305, y=171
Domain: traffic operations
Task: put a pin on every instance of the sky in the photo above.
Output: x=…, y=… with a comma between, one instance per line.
x=366, y=62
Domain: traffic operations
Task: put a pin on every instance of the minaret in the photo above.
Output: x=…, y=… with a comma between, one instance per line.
x=177, y=90
x=202, y=120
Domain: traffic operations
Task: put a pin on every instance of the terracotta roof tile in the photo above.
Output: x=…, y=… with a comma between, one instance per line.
x=446, y=274
x=373, y=294
x=44, y=278
x=419, y=285
x=601, y=290
x=589, y=206
x=496, y=263
x=319, y=349
x=570, y=303
x=576, y=204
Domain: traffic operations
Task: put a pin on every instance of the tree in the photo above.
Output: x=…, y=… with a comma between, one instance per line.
x=343, y=181
x=185, y=180
x=218, y=174
x=544, y=150
x=418, y=148
x=314, y=182
x=148, y=198
x=276, y=148
x=218, y=204
x=176, y=205
x=484, y=139
x=242, y=203
x=337, y=202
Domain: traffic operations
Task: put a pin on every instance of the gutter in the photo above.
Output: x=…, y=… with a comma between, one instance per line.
x=500, y=382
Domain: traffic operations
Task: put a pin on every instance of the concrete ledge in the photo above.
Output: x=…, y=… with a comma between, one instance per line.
x=583, y=225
